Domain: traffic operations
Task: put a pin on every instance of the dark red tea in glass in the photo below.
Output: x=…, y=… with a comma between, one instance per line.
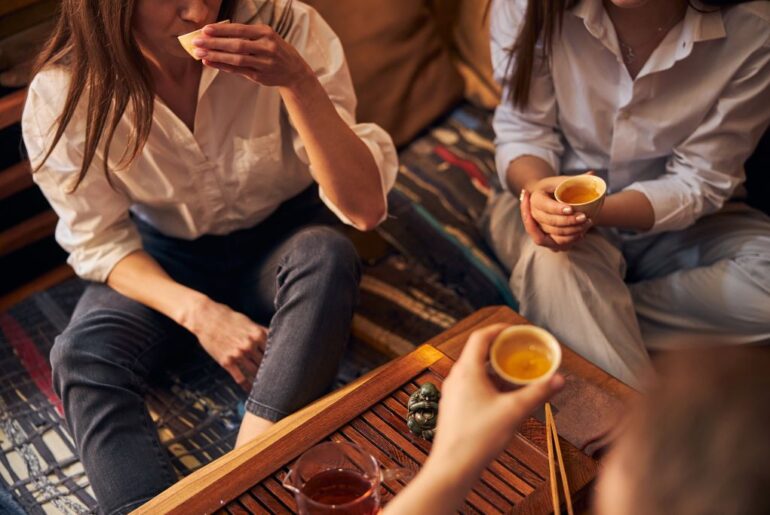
x=342, y=487
x=336, y=478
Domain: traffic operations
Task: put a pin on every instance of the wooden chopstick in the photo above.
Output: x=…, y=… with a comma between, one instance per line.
x=551, y=465
x=554, y=435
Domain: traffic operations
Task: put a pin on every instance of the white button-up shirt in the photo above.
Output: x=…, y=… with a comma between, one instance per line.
x=242, y=161
x=679, y=132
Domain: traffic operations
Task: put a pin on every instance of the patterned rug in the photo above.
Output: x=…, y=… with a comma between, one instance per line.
x=439, y=272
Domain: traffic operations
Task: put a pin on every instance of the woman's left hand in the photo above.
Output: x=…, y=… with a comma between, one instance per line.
x=256, y=52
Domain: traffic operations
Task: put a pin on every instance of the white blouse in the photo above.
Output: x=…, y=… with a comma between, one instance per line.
x=242, y=161
x=679, y=132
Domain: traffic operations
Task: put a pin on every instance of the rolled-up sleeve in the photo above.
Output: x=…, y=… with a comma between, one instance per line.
x=704, y=170
x=322, y=49
x=532, y=130
x=94, y=225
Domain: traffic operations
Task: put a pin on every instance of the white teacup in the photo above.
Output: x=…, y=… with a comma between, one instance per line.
x=524, y=354
x=584, y=193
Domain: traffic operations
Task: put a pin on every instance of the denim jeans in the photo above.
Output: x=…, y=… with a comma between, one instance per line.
x=290, y=271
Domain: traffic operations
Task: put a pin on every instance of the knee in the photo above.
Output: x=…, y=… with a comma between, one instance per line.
x=81, y=354
x=328, y=253
x=538, y=264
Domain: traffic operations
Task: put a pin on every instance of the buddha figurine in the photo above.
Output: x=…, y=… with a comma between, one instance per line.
x=423, y=411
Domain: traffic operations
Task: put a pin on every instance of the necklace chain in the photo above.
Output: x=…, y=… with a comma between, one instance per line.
x=629, y=54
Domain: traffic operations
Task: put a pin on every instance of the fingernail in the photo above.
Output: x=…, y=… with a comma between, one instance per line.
x=567, y=210
x=521, y=195
x=197, y=41
x=208, y=29
x=199, y=52
x=581, y=217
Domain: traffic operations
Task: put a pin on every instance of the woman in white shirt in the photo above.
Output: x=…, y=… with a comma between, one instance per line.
x=183, y=190
x=665, y=100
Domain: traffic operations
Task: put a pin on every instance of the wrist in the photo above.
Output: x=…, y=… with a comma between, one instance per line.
x=187, y=311
x=301, y=84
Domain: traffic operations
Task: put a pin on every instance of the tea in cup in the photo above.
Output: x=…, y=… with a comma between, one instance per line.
x=524, y=354
x=585, y=193
x=339, y=478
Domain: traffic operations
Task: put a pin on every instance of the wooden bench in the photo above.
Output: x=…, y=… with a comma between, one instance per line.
x=16, y=180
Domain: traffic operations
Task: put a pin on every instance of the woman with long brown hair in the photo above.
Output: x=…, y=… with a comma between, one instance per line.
x=665, y=100
x=196, y=195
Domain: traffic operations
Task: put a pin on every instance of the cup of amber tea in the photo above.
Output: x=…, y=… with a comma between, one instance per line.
x=524, y=354
x=585, y=193
x=335, y=478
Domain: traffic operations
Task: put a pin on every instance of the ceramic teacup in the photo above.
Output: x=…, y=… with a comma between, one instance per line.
x=585, y=193
x=524, y=354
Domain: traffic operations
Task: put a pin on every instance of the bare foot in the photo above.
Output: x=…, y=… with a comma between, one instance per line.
x=251, y=427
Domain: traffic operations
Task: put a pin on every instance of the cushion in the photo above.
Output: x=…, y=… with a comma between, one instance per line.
x=401, y=67
x=465, y=26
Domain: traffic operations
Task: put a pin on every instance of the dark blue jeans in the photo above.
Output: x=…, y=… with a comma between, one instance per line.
x=290, y=271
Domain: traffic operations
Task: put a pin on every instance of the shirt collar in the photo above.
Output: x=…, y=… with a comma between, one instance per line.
x=246, y=11
x=701, y=23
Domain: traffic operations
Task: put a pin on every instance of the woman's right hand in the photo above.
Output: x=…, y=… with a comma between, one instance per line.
x=229, y=337
x=476, y=420
x=548, y=222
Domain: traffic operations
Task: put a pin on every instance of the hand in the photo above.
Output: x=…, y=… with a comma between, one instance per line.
x=477, y=421
x=548, y=222
x=256, y=52
x=229, y=337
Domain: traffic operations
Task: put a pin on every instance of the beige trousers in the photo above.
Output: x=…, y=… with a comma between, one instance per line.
x=611, y=298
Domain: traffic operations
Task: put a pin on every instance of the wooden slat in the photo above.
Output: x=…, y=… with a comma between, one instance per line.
x=11, y=106
x=9, y=6
x=251, y=503
x=26, y=17
x=239, y=509
x=45, y=281
x=29, y=231
x=264, y=496
x=278, y=490
x=235, y=472
x=14, y=179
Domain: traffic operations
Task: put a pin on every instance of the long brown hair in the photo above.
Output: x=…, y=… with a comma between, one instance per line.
x=94, y=41
x=543, y=19
x=697, y=441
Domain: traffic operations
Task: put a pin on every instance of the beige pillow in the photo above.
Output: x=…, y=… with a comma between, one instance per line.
x=465, y=26
x=401, y=66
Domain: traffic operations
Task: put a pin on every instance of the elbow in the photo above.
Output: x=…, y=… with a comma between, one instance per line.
x=371, y=218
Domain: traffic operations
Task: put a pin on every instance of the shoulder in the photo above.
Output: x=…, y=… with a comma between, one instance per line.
x=46, y=96
x=749, y=21
x=49, y=84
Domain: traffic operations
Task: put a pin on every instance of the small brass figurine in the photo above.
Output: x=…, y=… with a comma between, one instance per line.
x=423, y=411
